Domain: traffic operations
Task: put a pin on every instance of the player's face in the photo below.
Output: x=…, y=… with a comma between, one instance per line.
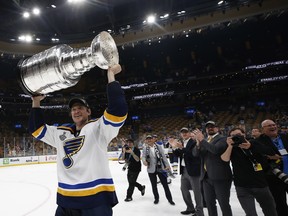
x=80, y=114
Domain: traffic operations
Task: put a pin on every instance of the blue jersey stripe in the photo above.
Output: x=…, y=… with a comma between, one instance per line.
x=86, y=185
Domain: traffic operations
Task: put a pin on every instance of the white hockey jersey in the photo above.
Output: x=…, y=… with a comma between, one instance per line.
x=84, y=178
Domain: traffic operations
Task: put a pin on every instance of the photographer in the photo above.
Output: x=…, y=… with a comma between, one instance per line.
x=248, y=171
x=131, y=155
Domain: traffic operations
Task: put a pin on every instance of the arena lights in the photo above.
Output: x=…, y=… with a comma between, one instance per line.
x=36, y=11
x=75, y=1
x=164, y=16
x=26, y=15
x=181, y=12
x=151, y=19
x=55, y=39
x=25, y=38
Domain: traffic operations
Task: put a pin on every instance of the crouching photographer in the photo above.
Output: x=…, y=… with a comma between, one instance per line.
x=131, y=155
x=249, y=167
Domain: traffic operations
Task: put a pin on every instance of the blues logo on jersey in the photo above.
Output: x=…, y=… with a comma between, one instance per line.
x=71, y=147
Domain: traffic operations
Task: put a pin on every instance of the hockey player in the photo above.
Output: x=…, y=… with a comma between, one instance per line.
x=85, y=184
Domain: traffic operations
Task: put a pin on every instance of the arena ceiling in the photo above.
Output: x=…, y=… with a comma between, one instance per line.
x=61, y=21
x=70, y=22
x=78, y=24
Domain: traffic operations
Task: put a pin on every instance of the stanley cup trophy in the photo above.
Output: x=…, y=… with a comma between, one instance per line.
x=61, y=66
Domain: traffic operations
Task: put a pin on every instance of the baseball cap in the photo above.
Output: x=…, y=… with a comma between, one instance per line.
x=154, y=136
x=148, y=136
x=184, y=129
x=78, y=100
x=211, y=123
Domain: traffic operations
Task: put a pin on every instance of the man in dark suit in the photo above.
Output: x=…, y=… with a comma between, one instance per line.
x=215, y=173
x=278, y=143
x=190, y=167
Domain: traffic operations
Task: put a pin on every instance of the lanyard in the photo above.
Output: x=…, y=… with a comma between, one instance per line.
x=249, y=155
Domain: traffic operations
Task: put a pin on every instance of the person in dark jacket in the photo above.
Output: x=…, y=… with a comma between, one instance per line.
x=190, y=167
x=278, y=143
x=249, y=173
x=131, y=154
x=215, y=173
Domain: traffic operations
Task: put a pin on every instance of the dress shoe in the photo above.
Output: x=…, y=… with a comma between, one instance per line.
x=171, y=202
x=188, y=212
x=143, y=190
x=128, y=199
x=156, y=201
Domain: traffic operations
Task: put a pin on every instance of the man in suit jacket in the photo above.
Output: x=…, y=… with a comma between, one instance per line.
x=215, y=173
x=190, y=167
x=278, y=143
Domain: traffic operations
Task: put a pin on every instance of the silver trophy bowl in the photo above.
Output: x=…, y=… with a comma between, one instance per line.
x=61, y=66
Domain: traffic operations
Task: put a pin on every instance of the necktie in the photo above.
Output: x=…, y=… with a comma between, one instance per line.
x=209, y=139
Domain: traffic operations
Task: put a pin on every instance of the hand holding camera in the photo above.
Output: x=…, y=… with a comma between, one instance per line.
x=126, y=147
x=240, y=141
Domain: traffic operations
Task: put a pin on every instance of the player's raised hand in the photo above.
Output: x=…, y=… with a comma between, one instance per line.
x=115, y=69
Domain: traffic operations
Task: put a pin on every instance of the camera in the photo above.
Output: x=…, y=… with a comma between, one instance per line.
x=125, y=166
x=275, y=168
x=280, y=175
x=238, y=139
x=126, y=147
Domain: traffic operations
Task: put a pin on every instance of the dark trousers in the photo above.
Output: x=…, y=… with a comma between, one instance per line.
x=220, y=190
x=132, y=180
x=102, y=210
x=247, y=196
x=192, y=183
x=279, y=190
x=163, y=180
